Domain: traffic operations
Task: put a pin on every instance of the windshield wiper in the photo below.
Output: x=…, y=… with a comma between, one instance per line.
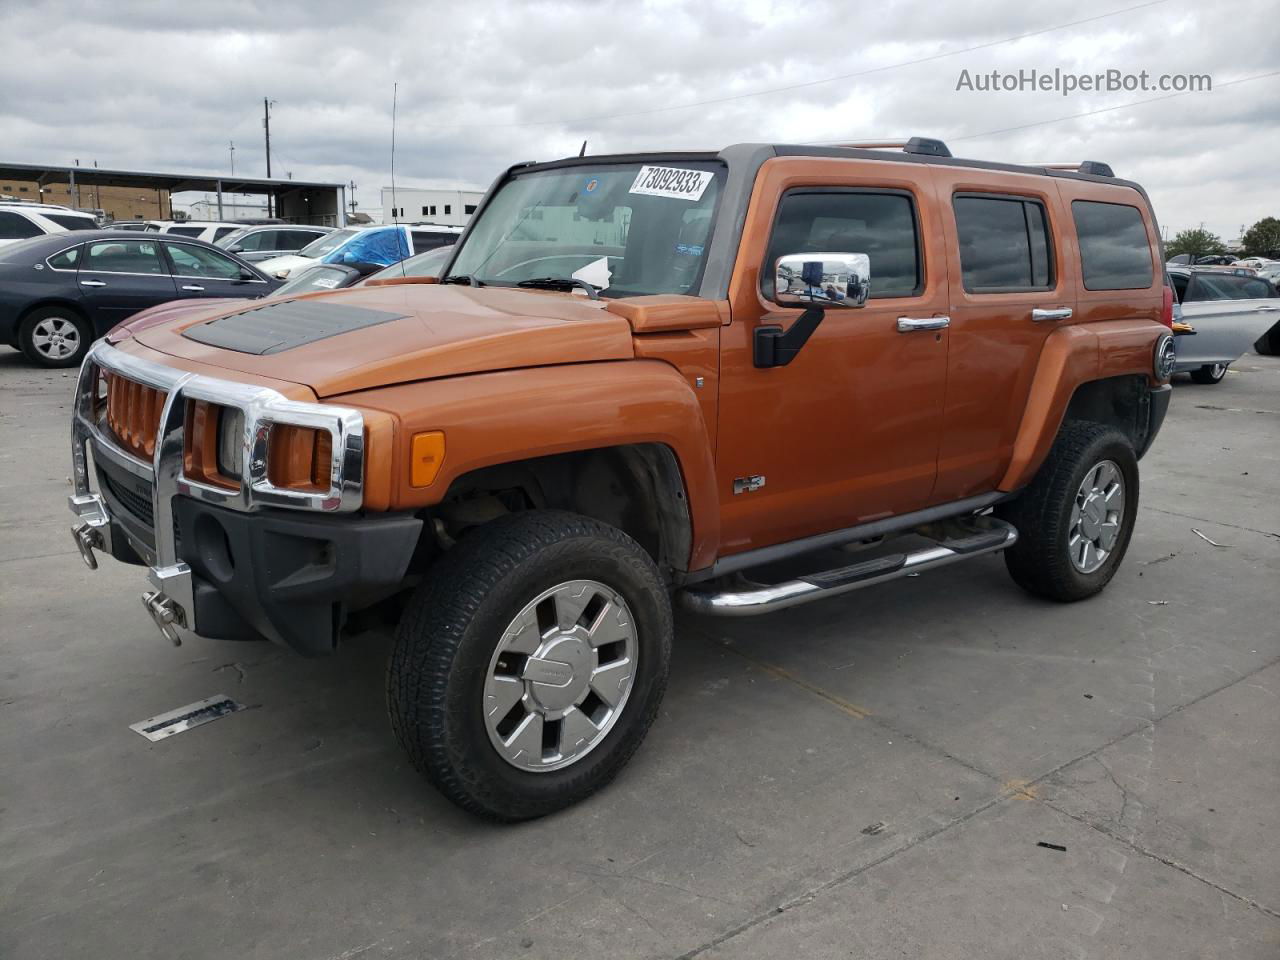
x=562, y=283
x=470, y=279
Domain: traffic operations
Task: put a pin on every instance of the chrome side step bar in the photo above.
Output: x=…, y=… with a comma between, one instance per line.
x=971, y=537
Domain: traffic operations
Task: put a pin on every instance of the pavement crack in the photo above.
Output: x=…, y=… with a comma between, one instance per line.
x=241, y=673
x=1219, y=523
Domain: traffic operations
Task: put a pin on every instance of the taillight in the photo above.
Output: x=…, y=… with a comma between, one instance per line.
x=1166, y=309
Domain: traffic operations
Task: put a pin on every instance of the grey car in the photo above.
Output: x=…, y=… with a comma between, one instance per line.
x=265, y=241
x=1228, y=311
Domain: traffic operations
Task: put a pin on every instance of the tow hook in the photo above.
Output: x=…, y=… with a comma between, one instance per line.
x=88, y=538
x=165, y=613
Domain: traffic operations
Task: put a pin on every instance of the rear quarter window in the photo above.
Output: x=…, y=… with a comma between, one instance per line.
x=1115, y=253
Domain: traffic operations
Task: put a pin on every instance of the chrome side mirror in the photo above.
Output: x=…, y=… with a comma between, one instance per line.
x=822, y=280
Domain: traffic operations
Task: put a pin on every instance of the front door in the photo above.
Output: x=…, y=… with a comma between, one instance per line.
x=117, y=278
x=201, y=272
x=848, y=431
x=1228, y=313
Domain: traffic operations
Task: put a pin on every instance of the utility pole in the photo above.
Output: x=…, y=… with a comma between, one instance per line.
x=232, y=144
x=266, y=127
x=352, y=204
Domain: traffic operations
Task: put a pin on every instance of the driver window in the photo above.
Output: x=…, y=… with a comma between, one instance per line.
x=191, y=261
x=881, y=225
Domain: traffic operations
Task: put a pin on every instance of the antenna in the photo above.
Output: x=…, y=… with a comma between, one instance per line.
x=395, y=89
x=583, y=151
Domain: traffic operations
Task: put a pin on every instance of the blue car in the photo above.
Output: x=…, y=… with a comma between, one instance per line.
x=381, y=245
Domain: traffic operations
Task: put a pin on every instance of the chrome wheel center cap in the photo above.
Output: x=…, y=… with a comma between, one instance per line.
x=1092, y=515
x=559, y=671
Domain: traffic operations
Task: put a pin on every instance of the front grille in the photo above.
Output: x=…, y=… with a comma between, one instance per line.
x=138, y=505
x=133, y=413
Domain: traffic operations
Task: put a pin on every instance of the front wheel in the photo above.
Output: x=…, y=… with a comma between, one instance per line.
x=1076, y=518
x=55, y=337
x=1210, y=373
x=530, y=665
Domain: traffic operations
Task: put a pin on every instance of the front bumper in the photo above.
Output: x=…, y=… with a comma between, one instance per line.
x=260, y=561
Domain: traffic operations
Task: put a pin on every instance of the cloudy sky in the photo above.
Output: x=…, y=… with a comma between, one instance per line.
x=166, y=86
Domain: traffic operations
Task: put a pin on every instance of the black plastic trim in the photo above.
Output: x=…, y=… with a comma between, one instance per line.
x=1158, y=406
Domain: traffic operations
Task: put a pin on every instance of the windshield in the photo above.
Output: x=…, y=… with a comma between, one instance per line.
x=427, y=264
x=326, y=244
x=228, y=241
x=321, y=277
x=626, y=228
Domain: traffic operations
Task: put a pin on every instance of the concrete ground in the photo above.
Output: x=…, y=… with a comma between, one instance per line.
x=869, y=777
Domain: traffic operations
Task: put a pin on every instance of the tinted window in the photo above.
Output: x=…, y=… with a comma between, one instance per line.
x=71, y=223
x=294, y=239
x=258, y=240
x=881, y=225
x=223, y=231
x=1180, y=285
x=185, y=231
x=192, y=261
x=123, y=256
x=424, y=240
x=1004, y=244
x=14, y=226
x=66, y=260
x=1114, y=251
x=1224, y=286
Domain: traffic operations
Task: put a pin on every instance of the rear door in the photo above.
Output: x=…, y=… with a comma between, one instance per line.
x=1228, y=313
x=1007, y=268
x=117, y=278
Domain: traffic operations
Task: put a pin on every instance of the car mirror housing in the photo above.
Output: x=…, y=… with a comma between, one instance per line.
x=835, y=280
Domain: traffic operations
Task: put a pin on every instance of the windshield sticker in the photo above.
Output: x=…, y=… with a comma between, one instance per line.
x=689, y=249
x=327, y=283
x=672, y=182
x=592, y=184
x=596, y=273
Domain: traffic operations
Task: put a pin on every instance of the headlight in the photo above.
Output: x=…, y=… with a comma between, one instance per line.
x=231, y=441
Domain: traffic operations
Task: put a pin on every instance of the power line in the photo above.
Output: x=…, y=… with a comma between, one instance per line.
x=808, y=83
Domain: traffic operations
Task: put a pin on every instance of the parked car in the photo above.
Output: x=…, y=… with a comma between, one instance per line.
x=528, y=461
x=138, y=226
x=266, y=241
x=58, y=293
x=1228, y=312
x=206, y=230
x=22, y=221
x=383, y=244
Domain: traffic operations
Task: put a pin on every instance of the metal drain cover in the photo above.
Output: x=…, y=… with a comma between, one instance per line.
x=165, y=725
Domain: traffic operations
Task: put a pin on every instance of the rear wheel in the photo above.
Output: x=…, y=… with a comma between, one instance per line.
x=530, y=665
x=55, y=337
x=1210, y=373
x=1076, y=518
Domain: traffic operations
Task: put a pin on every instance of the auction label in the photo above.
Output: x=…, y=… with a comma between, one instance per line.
x=672, y=182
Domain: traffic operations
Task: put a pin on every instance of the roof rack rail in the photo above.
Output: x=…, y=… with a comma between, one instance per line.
x=922, y=145
x=1094, y=167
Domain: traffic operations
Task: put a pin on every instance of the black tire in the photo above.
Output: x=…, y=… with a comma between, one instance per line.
x=448, y=634
x=1040, y=562
x=61, y=317
x=1210, y=373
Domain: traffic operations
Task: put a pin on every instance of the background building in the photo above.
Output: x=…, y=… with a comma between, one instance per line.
x=452, y=207
x=119, y=203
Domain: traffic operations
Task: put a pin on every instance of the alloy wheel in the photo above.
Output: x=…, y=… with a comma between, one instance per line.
x=55, y=338
x=1096, y=516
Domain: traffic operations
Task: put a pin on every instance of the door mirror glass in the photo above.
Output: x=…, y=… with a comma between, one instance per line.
x=822, y=279
x=235, y=248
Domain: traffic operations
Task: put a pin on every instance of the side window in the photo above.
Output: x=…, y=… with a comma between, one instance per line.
x=1004, y=244
x=294, y=239
x=192, y=261
x=14, y=226
x=185, y=231
x=1224, y=286
x=881, y=225
x=1114, y=251
x=1180, y=285
x=66, y=260
x=123, y=256
x=424, y=240
x=258, y=240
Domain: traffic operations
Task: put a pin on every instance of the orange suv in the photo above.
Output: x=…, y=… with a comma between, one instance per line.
x=638, y=378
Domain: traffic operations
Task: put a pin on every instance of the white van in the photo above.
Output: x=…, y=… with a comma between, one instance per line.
x=22, y=220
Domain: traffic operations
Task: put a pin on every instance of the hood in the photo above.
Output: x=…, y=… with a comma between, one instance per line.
x=283, y=265
x=365, y=337
x=168, y=310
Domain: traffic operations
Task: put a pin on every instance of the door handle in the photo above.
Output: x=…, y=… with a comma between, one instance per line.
x=1265, y=309
x=1058, y=313
x=93, y=283
x=192, y=287
x=912, y=324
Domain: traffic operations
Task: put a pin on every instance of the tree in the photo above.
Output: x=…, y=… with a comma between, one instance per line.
x=1262, y=239
x=1197, y=242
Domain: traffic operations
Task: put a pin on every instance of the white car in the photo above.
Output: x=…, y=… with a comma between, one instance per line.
x=382, y=243
x=206, y=230
x=1228, y=313
x=21, y=221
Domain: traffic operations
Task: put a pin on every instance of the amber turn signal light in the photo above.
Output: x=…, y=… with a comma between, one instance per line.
x=299, y=458
x=425, y=457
